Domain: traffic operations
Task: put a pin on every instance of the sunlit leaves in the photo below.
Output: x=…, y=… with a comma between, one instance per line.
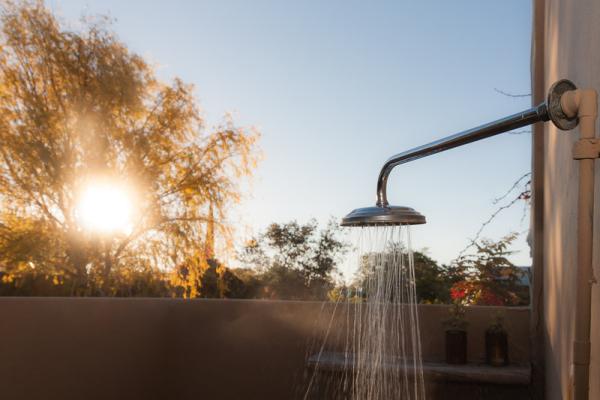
x=77, y=105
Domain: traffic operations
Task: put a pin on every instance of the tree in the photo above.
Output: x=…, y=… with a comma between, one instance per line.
x=296, y=261
x=489, y=277
x=217, y=281
x=432, y=281
x=78, y=107
x=486, y=277
x=250, y=287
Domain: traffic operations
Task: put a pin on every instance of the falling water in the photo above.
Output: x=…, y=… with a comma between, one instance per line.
x=376, y=354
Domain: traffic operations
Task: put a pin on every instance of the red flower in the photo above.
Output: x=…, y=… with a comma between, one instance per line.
x=489, y=298
x=458, y=291
x=457, y=294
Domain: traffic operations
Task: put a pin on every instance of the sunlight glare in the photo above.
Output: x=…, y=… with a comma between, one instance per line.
x=105, y=208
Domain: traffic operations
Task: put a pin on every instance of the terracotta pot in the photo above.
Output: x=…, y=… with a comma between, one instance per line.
x=496, y=348
x=456, y=347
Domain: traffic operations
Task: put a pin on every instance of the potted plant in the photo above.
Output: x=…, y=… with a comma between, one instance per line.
x=496, y=342
x=456, y=335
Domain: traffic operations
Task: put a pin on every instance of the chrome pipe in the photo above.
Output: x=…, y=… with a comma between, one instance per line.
x=515, y=121
x=549, y=110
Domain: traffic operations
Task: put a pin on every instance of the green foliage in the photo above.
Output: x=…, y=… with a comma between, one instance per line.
x=489, y=278
x=78, y=107
x=249, y=284
x=432, y=281
x=216, y=281
x=295, y=261
x=486, y=277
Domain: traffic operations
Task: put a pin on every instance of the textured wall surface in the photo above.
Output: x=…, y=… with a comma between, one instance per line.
x=571, y=49
x=78, y=348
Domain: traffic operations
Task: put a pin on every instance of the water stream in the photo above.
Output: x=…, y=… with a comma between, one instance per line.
x=370, y=348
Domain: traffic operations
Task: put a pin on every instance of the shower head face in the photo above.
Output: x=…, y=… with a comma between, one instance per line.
x=382, y=216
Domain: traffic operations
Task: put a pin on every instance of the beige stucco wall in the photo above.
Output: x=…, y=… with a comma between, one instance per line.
x=106, y=348
x=571, y=49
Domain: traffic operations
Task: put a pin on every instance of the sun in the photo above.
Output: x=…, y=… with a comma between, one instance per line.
x=104, y=208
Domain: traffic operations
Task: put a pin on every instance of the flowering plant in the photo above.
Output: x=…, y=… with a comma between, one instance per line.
x=480, y=293
x=488, y=277
x=459, y=291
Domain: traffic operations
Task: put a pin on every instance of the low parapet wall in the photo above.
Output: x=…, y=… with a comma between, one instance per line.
x=107, y=348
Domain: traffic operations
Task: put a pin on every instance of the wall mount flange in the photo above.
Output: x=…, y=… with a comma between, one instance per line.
x=555, y=111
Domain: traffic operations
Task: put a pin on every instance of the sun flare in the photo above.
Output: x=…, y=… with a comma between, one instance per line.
x=105, y=208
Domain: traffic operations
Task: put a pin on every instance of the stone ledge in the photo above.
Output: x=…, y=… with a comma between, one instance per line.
x=469, y=373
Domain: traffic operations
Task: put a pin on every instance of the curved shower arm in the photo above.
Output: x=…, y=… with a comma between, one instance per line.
x=549, y=110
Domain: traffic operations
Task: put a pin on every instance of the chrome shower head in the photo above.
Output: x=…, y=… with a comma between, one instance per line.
x=379, y=216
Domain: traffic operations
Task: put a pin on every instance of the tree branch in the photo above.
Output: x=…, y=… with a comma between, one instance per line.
x=511, y=94
x=513, y=187
x=523, y=195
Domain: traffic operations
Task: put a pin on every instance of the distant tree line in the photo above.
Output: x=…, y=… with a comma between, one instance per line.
x=288, y=261
x=294, y=261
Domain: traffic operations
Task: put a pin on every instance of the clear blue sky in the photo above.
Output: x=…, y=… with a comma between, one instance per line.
x=336, y=87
